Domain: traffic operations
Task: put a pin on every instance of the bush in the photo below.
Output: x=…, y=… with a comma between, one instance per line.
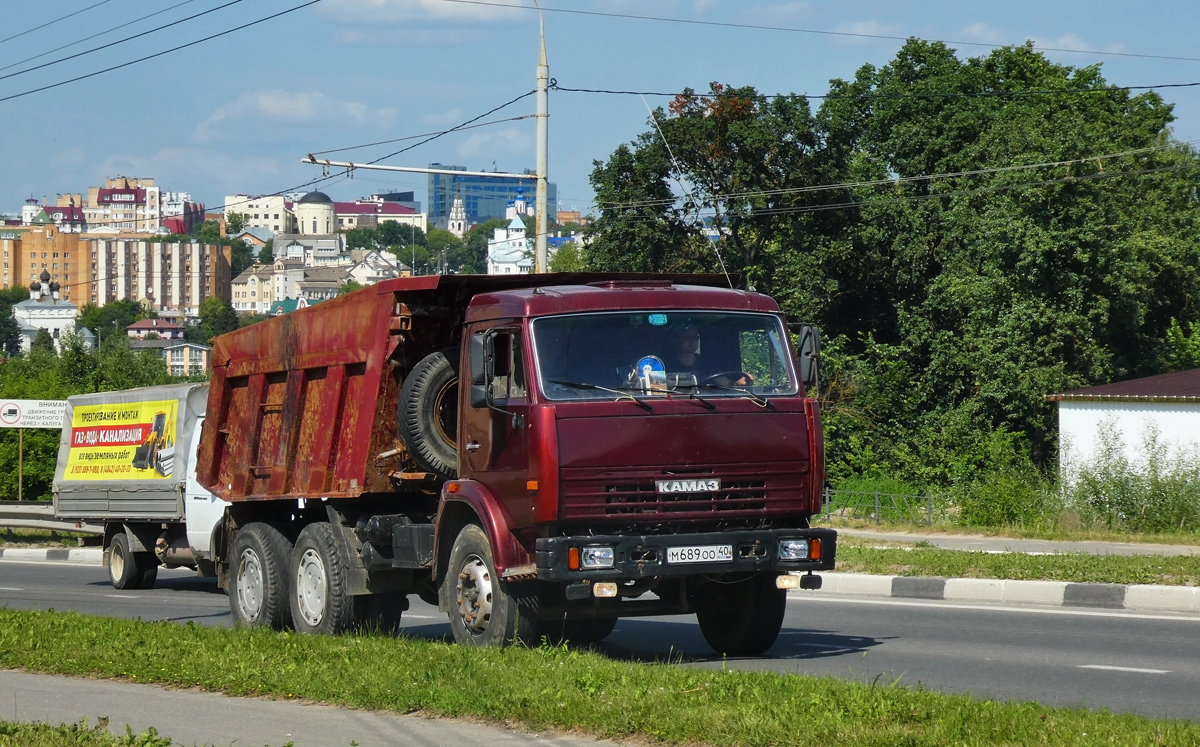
x=1158, y=493
x=1009, y=490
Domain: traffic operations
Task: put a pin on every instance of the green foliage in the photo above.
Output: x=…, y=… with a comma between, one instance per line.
x=217, y=317
x=1182, y=349
x=111, y=319
x=954, y=302
x=568, y=258
x=78, y=734
x=349, y=287
x=1160, y=491
x=245, y=320
x=266, y=254
x=235, y=222
x=43, y=341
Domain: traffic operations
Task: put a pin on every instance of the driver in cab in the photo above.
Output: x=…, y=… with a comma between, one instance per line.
x=687, y=361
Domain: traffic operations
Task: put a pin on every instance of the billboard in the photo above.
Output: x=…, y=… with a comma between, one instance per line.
x=123, y=441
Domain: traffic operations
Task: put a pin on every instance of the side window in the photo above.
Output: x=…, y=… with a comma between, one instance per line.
x=508, y=371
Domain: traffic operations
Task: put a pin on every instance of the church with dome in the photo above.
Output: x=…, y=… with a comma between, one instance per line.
x=45, y=309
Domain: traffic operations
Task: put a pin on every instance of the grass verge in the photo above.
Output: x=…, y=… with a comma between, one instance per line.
x=1173, y=570
x=1057, y=533
x=552, y=688
x=76, y=735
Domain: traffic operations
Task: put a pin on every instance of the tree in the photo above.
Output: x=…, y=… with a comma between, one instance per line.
x=235, y=222
x=955, y=286
x=111, y=319
x=241, y=256
x=568, y=258
x=471, y=256
x=349, y=287
x=43, y=341
x=266, y=255
x=362, y=238
x=217, y=317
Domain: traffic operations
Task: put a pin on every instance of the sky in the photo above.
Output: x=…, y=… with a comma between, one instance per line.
x=237, y=113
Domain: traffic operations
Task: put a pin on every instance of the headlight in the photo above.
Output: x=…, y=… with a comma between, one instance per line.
x=597, y=557
x=794, y=549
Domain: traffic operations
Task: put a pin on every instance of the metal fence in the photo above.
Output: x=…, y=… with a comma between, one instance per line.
x=910, y=509
x=39, y=515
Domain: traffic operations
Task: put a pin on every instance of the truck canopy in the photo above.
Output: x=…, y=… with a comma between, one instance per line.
x=127, y=454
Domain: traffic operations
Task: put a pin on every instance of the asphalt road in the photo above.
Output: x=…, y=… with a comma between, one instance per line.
x=1127, y=662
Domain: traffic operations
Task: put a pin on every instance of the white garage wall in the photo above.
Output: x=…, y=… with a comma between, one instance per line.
x=1080, y=425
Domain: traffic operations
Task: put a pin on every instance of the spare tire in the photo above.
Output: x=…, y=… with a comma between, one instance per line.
x=429, y=413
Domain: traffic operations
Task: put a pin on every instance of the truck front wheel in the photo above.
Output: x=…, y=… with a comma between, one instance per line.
x=258, y=577
x=741, y=618
x=320, y=603
x=127, y=569
x=485, y=610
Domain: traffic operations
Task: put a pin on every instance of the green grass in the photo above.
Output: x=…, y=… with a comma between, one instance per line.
x=552, y=688
x=45, y=538
x=1173, y=570
x=1072, y=533
x=76, y=735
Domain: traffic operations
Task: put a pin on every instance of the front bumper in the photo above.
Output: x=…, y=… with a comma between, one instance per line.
x=645, y=556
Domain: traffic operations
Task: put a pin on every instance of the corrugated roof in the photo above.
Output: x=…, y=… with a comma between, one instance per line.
x=1180, y=386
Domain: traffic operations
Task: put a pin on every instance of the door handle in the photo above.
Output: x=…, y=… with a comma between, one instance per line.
x=473, y=446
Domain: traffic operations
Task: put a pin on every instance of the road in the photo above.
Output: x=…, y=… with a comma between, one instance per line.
x=1127, y=662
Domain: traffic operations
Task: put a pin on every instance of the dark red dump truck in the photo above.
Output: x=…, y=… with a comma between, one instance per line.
x=538, y=455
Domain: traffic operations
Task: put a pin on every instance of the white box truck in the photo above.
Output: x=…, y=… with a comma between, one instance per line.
x=127, y=460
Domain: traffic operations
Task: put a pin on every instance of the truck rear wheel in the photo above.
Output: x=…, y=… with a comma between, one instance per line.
x=485, y=610
x=258, y=577
x=319, y=600
x=741, y=618
x=429, y=413
x=127, y=569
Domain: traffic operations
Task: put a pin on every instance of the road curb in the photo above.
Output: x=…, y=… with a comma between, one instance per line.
x=80, y=555
x=1139, y=597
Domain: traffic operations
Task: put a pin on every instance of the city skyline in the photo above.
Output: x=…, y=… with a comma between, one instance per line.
x=237, y=113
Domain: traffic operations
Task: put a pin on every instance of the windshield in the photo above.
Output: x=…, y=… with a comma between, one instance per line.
x=708, y=353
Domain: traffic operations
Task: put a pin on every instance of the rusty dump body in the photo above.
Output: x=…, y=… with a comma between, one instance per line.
x=305, y=405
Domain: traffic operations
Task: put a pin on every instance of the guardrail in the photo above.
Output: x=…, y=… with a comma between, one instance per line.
x=913, y=509
x=39, y=515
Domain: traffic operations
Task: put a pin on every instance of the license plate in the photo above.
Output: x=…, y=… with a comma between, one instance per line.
x=700, y=554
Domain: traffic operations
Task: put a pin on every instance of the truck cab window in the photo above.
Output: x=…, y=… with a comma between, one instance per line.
x=508, y=372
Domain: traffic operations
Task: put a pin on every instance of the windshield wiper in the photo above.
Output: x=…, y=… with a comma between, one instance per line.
x=620, y=394
x=693, y=396
x=758, y=399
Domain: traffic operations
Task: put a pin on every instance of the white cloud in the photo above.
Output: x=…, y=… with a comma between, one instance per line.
x=507, y=140
x=1071, y=41
x=284, y=106
x=984, y=34
x=449, y=117
x=390, y=11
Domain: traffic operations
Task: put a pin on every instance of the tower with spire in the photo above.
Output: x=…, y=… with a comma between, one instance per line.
x=457, y=221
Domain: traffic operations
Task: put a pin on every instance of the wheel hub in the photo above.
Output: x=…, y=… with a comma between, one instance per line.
x=474, y=594
x=250, y=585
x=116, y=565
x=310, y=587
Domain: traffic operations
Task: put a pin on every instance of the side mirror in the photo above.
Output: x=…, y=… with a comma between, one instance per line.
x=480, y=356
x=808, y=354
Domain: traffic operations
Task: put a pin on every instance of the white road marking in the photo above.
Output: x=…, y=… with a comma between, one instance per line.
x=10, y=588
x=421, y=617
x=804, y=597
x=1137, y=670
x=123, y=596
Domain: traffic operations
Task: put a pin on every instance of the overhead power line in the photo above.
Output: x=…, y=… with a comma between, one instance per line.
x=93, y=36
x=869, y=96
x=821, y=32
x=118, y=41
x=56, y=20
x=159, y=54
x=1098, y=158
x=426, y=134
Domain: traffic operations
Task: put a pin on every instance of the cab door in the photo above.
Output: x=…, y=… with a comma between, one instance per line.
x=495, y=435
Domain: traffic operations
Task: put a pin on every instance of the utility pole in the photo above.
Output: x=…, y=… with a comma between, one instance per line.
x=543, y=145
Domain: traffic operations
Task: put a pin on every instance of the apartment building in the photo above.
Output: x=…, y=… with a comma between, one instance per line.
x=173, y=278
x=269, y=211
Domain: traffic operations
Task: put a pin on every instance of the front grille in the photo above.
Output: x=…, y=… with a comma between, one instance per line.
x=643, y=498
x=630, y=495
